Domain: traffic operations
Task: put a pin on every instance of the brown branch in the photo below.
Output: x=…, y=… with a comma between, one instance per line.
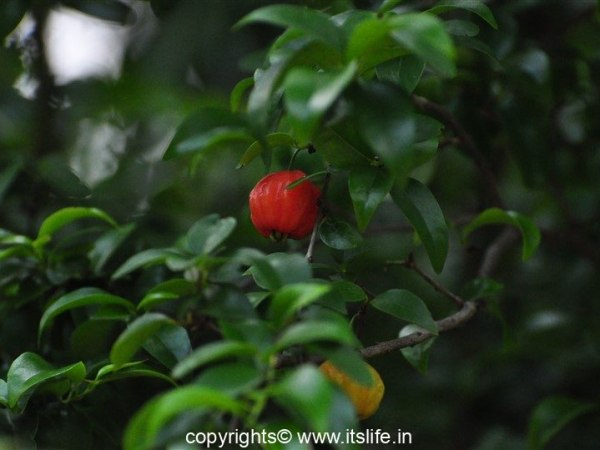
x=448, y=323
x=443, y=115
x=410, y=263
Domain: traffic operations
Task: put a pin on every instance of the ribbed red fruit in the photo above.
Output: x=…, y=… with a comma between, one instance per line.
x=278, y=212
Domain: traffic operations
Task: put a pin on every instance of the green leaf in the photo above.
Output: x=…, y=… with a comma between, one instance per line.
x=425, y=215
x=208, y=128
x=307, y=392
x=278, y=269
x=105, y=246
x=474, y=6
x=370, y=44
x=337, y=150
x=551, y=416
x=388, y=5
x=424, y=35
x=417, y=355
x=143, y=430
x=309, y=94
x=3, y=393
x=339, y=235
x=368, y=186
x=270, y=141
x=405, y=305
x=291, y=298
x=238, y=91
x=136, y=369
x=65, y=216
x=135, y=336
x=387, y=122
x=146, y=258
x=211, y=352
x=312, y=22
x=233, y=378
x=480, y=288
x=208, y=233
x=352, y=364
x=169, y=345
x=166, y=291
x=405, y=72
x=529, y=231
x=316, y=331
x=30, y=371
x=81, y=297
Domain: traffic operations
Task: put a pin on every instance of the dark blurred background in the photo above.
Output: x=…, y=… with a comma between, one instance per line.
x=93, y=134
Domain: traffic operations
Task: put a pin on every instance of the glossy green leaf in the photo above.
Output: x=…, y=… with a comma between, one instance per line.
x=461, y=28
x=316, y=331
x=145, y=258
x=405, y=72
x=368, y=186
x=271, y=141
x=403, y=139
x=307, y=392
x=136, y=369
x=77, y=299
x=370, y=44
x=143, y=430
x=169, y=345
x=262, y=97
x=424, y=35
x=405, y=305
x=474, y=6
x=106, y=245
x=425, y=215
x=167, y=290
x=278, y=269
x=552, y=415
x=291, y=298
x=65, y=216
x=233, y=378
x=309, y=94
x=208, y=233
x=29, y=371
x=206, y=129
x=339, y=235
x=211, y=352
x=529, y=231
x=337, y=150
x=238, y=91
x=417, y=355
x=312, y=22
x=135, y=336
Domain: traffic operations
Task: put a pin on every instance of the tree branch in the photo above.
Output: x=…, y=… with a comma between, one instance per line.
x=448, y=323
x=443, y=115
x=410, y=263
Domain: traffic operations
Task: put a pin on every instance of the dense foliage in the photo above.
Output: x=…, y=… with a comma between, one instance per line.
x=456, y=148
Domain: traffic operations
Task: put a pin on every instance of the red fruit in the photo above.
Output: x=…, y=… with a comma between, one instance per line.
x=279, y=213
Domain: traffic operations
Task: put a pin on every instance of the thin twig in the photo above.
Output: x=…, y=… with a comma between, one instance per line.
x=313, y=237
x=448, y=323
x=410, y=263
x=443, y=115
